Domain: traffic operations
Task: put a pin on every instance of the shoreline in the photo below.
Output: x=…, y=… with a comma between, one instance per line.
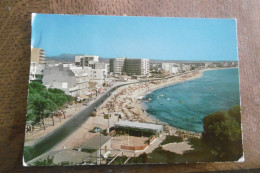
x=174, y=83
x=126, y=103
x=127, y=100
x=169, y=126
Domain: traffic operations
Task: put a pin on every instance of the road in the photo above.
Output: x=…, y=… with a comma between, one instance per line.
x=44, y=144
x=53, y=138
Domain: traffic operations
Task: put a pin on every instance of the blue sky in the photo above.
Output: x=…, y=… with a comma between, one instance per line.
x=136, y=37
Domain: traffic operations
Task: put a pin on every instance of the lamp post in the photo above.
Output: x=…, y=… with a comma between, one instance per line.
x=99, y=147
x=128, y=137
x=98, y=160
x=108, y=119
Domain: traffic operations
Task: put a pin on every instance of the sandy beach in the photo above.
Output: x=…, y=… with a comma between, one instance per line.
x=125, y=104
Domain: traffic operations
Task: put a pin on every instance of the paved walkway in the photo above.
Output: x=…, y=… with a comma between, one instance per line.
x=38, y=129
x=150, y=149
x=156, y=143
x=70, y=112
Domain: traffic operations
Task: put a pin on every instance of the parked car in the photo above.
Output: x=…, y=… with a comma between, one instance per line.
x=96, y=129
x=86, y=104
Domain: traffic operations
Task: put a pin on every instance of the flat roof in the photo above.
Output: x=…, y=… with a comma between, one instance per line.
x=138, y=125
x=65, y=155
x=95, y=141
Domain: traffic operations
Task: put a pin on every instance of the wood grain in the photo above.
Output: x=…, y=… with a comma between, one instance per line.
x=15, y=16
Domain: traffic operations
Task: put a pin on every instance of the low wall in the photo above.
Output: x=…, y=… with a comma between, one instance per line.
x=152, y=139
x=136, y=148
x=111, y=132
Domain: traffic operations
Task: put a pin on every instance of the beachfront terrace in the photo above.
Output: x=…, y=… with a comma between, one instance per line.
x=126, y=140
x=134, y=136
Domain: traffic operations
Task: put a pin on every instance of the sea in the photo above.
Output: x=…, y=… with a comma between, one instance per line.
x=184, y=105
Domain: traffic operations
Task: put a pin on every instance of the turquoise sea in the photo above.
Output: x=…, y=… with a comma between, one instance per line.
x=185, y=104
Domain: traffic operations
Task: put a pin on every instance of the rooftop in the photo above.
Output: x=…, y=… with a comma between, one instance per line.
x=138, y=125
x=95, y=141
x=65, y=155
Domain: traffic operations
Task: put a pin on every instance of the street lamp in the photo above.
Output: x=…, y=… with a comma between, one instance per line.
x=108, y=118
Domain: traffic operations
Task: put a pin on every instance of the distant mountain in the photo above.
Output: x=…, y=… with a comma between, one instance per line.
x=70, y=58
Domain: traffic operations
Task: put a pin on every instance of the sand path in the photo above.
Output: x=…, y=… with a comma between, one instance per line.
x=178, y=148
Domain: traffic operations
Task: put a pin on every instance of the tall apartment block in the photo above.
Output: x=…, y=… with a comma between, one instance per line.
x=37, y=64
x=130, y=66
x=137, y=66
x=117, y=65
x=38, y=55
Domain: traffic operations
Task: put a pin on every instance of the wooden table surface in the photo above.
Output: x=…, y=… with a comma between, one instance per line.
x=15, y=33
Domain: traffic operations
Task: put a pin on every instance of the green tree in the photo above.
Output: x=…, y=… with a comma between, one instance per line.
x=42, y=107
x=235, y=113
x=142, y=158
x=222, y=132
x=36, y=87
x=46, y=162
x=43, y=102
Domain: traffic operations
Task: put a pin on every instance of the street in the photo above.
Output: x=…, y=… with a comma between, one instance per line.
x=53, y=138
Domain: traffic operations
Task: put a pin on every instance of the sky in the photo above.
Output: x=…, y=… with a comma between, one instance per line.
x=162, y=38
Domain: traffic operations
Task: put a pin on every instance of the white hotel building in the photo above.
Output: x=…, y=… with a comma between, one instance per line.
x=130, y=66
x=170, y=67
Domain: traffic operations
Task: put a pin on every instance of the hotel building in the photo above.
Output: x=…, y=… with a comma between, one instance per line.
x=86, y=60
x=38, y=55
x=137, y=67
x=37, y=64
x=117, y=65
x=170, y=67
x=130, y=66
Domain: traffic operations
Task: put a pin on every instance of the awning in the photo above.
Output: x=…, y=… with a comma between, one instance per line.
x=140, y=126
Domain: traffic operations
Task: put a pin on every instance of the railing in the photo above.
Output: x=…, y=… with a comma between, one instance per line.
x=134, y=148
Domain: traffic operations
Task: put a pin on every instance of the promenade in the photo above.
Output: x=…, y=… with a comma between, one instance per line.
x=49, y=139
x=75, y=129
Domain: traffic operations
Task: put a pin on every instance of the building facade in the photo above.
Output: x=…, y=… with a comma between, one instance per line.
x=185, y=67
x=72, y=80
x=37, y=64
x=170, y=67
x=130, y=66
x=36, y=72
x=38, y=55
x=145, y=67
x=86, y=60
x=117, y=65
x=133, y=66
x=137, y=66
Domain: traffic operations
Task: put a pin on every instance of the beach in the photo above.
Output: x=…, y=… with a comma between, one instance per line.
x=125, y=103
